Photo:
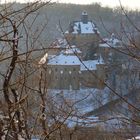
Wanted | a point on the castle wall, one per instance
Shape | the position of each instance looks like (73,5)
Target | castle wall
(87,43)
(93,78)
(63,76)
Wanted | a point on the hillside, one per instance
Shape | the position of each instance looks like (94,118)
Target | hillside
(108,20)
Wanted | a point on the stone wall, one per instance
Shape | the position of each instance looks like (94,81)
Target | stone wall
(87,43)
(63,76)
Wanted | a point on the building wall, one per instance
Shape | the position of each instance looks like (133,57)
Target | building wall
(104,52)
(112,54)
(69,77)
(101,75)
(86,42)
(94,78)
(88,79)
(63,76)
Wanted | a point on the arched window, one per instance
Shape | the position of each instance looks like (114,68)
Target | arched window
(80,72)
(61,71)
(70,72)
(50,71)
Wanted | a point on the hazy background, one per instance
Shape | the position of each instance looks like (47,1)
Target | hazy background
(132,4)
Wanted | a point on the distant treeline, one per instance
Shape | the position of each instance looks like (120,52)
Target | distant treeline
(107,19)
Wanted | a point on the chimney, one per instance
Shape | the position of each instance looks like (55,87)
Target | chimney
(84,17)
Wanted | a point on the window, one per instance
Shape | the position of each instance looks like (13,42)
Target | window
(106,75)
(61,71)
(56,77)
(70,72)
(50,71)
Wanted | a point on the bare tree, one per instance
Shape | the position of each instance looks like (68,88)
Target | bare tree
(15,28)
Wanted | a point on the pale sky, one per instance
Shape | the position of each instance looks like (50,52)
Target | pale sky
(127,3)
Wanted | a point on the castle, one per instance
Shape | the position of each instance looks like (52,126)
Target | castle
(79,60)
(85,35)
(68,70)
(84,60)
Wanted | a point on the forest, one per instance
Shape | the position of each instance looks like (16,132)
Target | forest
(29,110)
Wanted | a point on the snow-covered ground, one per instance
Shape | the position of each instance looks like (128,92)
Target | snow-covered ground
(135,138)
(83,101)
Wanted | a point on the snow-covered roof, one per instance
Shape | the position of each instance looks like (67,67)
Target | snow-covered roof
(84,28)
(67,49)
(135,138)
(110,45)
(111,42)
(74,60)
(72,50)
(59,43)
(91,64)
(64,60)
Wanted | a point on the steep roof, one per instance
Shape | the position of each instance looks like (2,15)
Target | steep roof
(64,60)
(87,28)
(59,43)
(72,50)
(83,28)
(74,60)
(91,64)
(111,42)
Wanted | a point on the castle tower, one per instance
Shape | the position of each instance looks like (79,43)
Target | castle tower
(84,17)
(85,35)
